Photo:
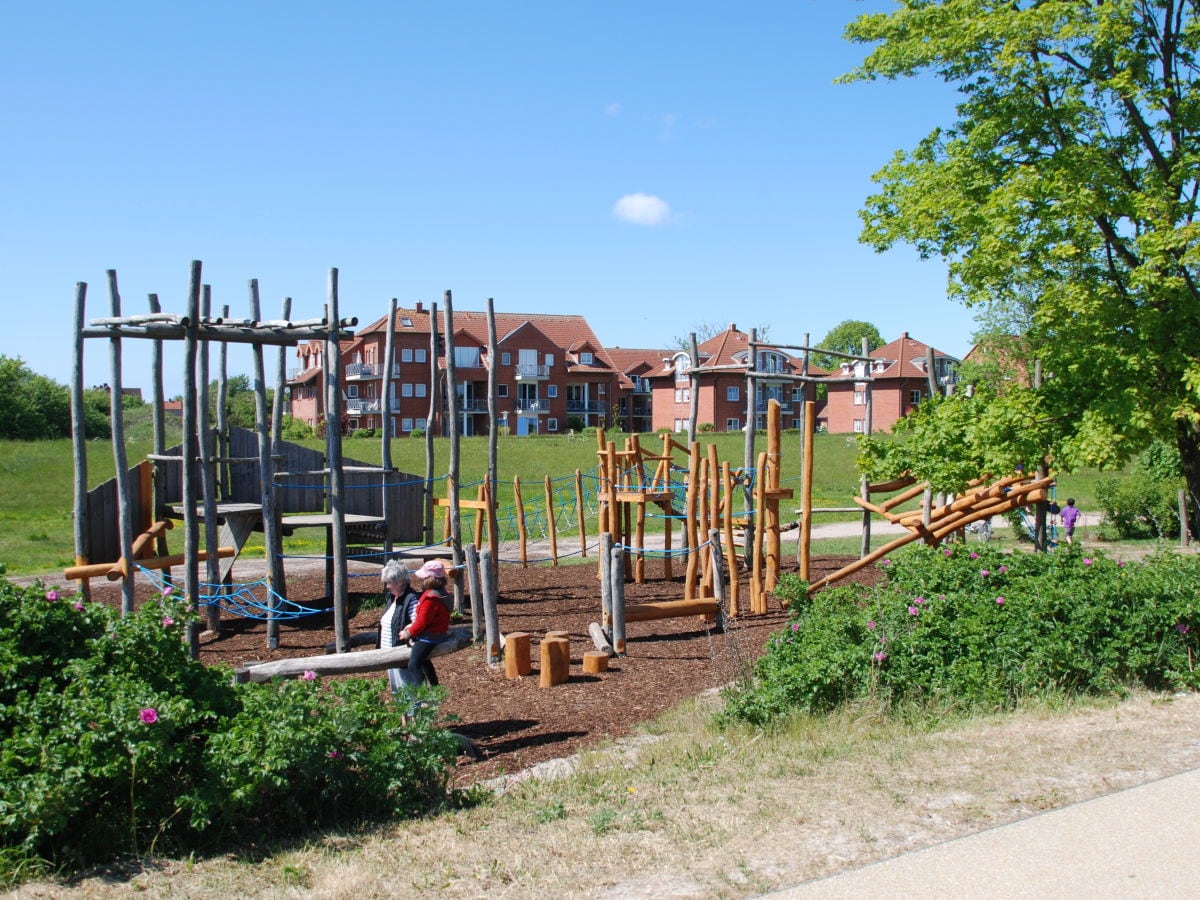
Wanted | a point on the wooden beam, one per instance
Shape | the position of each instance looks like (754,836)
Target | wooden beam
(348,663)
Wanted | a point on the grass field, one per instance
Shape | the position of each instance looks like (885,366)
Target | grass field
(36,478)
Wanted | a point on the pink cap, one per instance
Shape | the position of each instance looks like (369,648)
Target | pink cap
(432,569)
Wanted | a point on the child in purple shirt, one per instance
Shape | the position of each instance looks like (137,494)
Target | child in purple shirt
(1070,515)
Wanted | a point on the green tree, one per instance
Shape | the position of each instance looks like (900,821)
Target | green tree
(32,406)
(1067,189)
(846,337)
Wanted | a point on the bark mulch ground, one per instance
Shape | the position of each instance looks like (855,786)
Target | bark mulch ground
(515,723)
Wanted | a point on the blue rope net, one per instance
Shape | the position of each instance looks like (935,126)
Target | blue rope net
(241,599)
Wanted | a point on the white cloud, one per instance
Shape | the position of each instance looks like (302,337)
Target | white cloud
(642,209)
(612,110)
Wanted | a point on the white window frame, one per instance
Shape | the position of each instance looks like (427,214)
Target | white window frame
(551,391)
(733,393)
(406,424)
(859,426)
(860,396)
(585,358)
(406,389)
(505,358)
(422,389)
(915,396)
(733,424)
(420,355)
(549,360)
(352,391)
(406,354)
(502,391)
(552,424)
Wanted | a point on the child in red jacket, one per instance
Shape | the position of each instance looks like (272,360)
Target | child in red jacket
(431,622)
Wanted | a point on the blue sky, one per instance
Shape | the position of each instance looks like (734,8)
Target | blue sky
(652,166)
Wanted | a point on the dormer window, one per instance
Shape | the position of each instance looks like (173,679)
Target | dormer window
(585,358)
(406,322)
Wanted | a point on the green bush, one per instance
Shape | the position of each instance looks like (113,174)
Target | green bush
(981,629)
(113,741)
(1140,505)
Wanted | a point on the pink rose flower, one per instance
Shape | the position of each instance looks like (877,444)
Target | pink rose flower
(149,715)
(999,601)
(309,675)
(168,621)
(52,595)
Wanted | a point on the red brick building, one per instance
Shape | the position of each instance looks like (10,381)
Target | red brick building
(900,382)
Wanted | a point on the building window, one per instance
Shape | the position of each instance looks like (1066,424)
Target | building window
(552,424)
(798,395)
(683,395)
(858,426)
(860,396)
(680,424)
(406,322)
(422,389)
(733,424)
(352,390)
(502,390)
(505,359)
(585,358)
(551,393)
(406,424)
(549,360)
(914,397)
(733,393)
(352,424)
(406,355)
(600,389)
(420,355)
(406,390)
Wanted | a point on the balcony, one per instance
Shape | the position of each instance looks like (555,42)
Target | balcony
(761,405)
(473,405)
(641,387)
(580,406)
(532,373)
(357,406)
(357,371)
(532,407)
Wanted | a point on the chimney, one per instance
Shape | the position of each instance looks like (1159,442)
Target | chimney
(905,335)
(420,306)
(733,326)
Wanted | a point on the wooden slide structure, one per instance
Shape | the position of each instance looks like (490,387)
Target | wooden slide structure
(930,523)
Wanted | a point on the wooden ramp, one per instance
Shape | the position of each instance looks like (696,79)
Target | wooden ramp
(236,522)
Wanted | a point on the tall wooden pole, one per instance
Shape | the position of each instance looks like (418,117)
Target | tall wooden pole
(385,423)
(748,455)
(694,382)
(223,413)
(159,430)
(806,492)
(337,476)
(191,549)
(125,507)
(208,477)
(430,420)
(79,441)
(864,485)
(493,468)
(452,415)
(266,478)
(280,382)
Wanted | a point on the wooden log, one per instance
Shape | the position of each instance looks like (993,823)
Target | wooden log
(556,662)
(517,661)
(730,547)
(595,662)
(902,497)
(886,487)
(491,613)
(565,635)
(617,578)
(522,536)
(476,589)
(672,609)
(580,513)
(348,663)
(599,638)
(97,570)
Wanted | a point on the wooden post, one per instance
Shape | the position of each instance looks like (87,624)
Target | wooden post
(556,662)
(1183,518)
(517,661)
(581,513)
(452,415)
(337,477)
(771,525)
(720,593)
(222,442)
(79,440)
(748,454)
(757,595)
(208,477)
(550,523)
(689,513)
(865,349)
(266,475)
(730,549)
(493,468)
(606,548)
(491,616)
(124,506)
(430,419)
(475,587)
(617,580)
(159,428)
(190,530)
(521,534)
(385,427)
(694,387)
(595,662)
(274,542)
(806,488)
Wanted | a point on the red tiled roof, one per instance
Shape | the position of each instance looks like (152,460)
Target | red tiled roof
(905,358)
